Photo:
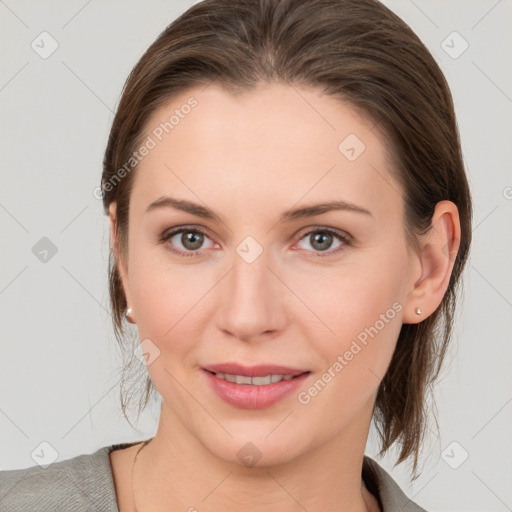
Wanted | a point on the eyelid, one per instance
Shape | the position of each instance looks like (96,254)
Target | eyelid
(184,227)
(315,228)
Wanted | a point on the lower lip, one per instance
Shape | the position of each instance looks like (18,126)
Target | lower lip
(250,396)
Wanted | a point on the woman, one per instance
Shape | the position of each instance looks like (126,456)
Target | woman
(290,218)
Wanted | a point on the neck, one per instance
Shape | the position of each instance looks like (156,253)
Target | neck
(185,475)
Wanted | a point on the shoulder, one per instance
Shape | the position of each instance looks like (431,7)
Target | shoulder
(82,483)
(380,483)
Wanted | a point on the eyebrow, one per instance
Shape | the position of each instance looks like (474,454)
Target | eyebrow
(288,215)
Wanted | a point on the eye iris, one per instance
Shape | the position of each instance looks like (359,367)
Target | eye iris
(323,239)
(194,239)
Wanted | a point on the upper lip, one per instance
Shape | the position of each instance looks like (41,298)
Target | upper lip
(261,370)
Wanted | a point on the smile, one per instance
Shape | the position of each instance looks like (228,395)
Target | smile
(254,381)
(258,392)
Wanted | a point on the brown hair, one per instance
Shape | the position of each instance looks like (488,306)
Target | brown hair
(362,53)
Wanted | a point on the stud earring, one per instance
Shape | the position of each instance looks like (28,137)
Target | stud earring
(127,314)
(418,311)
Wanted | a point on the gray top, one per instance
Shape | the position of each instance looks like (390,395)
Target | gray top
(85,484)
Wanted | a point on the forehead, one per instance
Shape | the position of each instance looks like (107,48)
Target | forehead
(276,140)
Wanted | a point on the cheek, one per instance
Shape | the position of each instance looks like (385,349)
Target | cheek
(168,298)
(354,296)
(360,314)
(366,322)
(170,312)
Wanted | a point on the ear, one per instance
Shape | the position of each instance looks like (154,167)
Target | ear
(115,246)
(439,247)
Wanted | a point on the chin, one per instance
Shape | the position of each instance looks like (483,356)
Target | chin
(256,449)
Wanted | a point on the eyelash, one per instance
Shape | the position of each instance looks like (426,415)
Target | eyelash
(345,238)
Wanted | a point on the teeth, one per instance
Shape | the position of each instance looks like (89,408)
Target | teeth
(255,381)
(242,379)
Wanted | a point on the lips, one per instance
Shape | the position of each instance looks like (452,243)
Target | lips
(254,395)
(253,371)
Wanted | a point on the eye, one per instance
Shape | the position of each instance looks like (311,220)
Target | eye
(188,241)
(321,239)
(185,241)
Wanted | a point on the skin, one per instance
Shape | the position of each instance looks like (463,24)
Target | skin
(249,158)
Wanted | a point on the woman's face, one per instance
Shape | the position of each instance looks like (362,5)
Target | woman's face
(253,284)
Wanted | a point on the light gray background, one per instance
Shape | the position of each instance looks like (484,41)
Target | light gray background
(59,359)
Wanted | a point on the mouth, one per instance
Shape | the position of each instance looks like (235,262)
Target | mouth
(255,381)
(260,370)
(256,387)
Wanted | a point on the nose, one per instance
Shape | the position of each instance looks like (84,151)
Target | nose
(252,305)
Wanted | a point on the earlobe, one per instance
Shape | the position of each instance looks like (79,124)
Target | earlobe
(439,248)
